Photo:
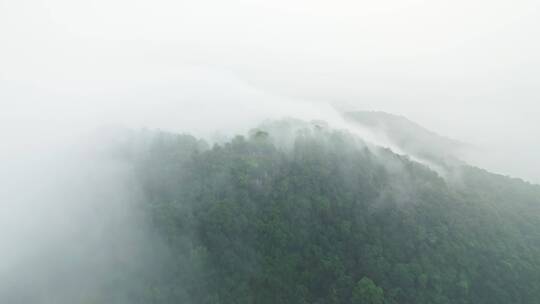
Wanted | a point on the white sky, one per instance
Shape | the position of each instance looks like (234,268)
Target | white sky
(466,69)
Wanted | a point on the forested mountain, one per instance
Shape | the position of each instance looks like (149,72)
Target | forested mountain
(300,213)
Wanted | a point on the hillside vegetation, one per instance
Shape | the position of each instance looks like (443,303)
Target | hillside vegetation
(299,213)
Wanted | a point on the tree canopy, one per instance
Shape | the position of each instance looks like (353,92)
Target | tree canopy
(312,215)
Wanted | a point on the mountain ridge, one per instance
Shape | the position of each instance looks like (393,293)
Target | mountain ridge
(408,135)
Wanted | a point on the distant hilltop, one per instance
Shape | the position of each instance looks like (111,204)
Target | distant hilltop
(409,136)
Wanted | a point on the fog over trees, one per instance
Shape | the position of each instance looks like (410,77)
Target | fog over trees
(269,152)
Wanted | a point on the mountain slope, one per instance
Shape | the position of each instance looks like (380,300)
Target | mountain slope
(324,218)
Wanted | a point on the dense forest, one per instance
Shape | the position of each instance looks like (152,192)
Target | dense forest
(297,212)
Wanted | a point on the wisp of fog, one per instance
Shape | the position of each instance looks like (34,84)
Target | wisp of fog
(73,72)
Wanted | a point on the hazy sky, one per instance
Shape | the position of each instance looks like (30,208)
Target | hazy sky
(466,69)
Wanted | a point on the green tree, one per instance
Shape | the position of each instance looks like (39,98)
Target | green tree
(366,292)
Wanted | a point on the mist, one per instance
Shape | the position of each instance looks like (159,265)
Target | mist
(70,70)
(465,70)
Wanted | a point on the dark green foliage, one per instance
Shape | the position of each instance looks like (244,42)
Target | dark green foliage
(367,292)
(328,219)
